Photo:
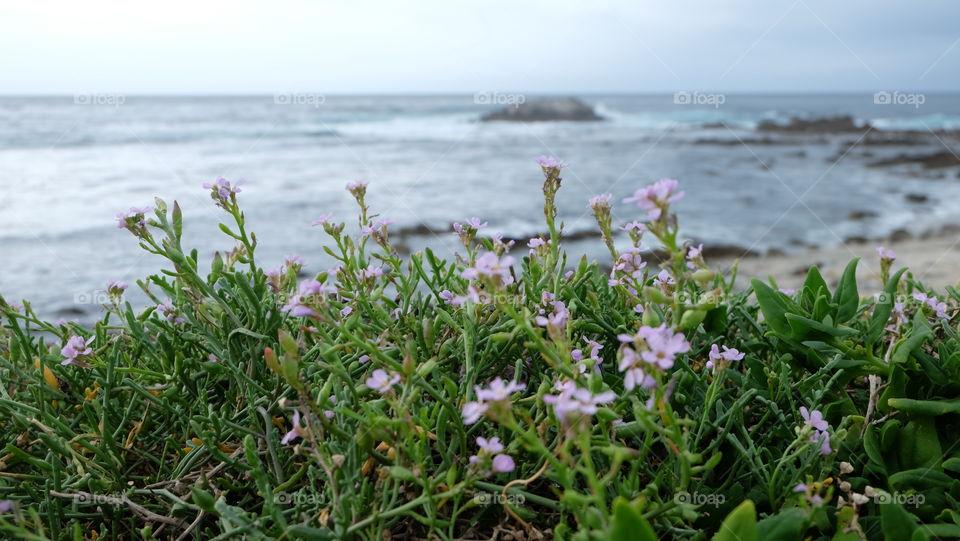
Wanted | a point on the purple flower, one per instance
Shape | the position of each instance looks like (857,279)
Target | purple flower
(382,381)
(6,506)
(600,201)
(634,373)
(549,162)
(502,464)
(656,198)
(664,279)
(363,359)
(294,261)
(886,253)
(498,390)
(133,219)
(495,396)
(489,265)
(169,311)
(787,291)
(76,350)
(663,345)
(371,273)
(346,311)
(800,488)
(813,418)
(295,431)
(556,320)
(634,226)
(572,404)
(473,411)
(297,305)
(324,219)
(475,223)
(492,445)
(728,354)
(221,190)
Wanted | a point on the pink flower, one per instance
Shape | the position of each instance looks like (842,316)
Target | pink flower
(728,354)
(814,418)
(382,381)
(549,162)
(324,219)
(656,198)
(295,431)
(76,349)
(492,445)
(498,390)
(886,253)
(503,464)
(663,345)
(489,265)
(573,403)
(475,223)
(600,201)
(473,411)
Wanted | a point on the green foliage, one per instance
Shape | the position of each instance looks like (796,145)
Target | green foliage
(271,405)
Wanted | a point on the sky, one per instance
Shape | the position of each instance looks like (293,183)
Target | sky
(456,46)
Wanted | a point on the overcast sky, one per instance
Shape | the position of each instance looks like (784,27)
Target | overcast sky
(458,46)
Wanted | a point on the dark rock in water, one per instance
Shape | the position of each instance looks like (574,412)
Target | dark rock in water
(861,215)
(935,160)
(545,110)
(833,124)
(916,198)
(900,235)
(856,239)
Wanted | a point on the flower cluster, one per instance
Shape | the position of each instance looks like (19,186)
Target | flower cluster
(134,221)
(719,358)
(76,351)
(574,406)
(492,401)
(820,435)
(656,198)
(936,305)
(223,192)
(651,349)
(491,455)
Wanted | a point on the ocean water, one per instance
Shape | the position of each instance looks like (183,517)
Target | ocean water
(67,168)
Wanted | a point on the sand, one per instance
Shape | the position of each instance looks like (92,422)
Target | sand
(935,261)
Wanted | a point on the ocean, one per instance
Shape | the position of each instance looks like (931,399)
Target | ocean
(69,164)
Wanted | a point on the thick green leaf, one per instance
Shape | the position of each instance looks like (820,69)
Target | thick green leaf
(740,524)
(925,407)
(896,522)
(882,309)
(773,307)
(847,298)
(786,525)
(629,525)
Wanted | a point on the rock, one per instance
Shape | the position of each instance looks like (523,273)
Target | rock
(900,235)
(916,198)
(861,215)
(935,160)
(545,110)
(833,124)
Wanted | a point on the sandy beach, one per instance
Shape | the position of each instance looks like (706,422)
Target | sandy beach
(933,259)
